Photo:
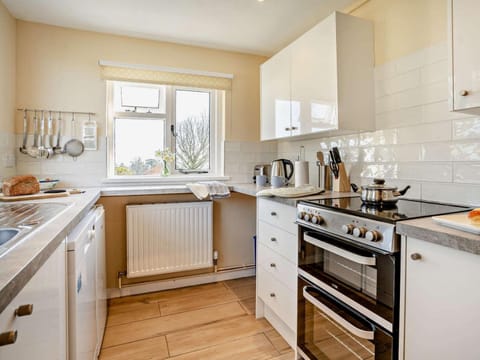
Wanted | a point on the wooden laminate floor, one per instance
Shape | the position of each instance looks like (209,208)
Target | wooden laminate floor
(213,321)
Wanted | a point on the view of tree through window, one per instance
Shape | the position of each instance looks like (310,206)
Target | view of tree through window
(192,141)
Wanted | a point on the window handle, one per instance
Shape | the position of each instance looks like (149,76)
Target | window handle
(172,130)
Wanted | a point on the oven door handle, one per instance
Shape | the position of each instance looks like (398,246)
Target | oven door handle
(364,334)
(363,260)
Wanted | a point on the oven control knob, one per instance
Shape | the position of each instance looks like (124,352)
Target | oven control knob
(317,219)
(359,232)
(307,217)
(301,214)
(348,228)
(373,235)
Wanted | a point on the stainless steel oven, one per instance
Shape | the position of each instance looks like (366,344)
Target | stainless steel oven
(364,279)
(346,299)
(349,274)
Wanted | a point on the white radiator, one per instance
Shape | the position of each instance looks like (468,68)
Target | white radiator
(167,238)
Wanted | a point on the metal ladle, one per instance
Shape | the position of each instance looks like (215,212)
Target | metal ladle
(73,147)
(33,150)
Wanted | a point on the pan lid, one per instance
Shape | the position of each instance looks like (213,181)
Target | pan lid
(378,184)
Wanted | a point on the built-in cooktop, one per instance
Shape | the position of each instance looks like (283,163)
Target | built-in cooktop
(403,209)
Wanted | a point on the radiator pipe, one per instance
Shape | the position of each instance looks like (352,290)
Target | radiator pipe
(121,274)
(215,260)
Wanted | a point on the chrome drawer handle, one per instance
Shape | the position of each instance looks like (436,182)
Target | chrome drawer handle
(363,260)
(8,338)
(367,335)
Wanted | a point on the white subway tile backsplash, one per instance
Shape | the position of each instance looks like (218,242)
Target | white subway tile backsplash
(425,171)
(385,71)
(467,173)
(406,81)
(440,131)
(403,153)
(386,171)
(454,193)
(466,151)
(416,96)
(400,117)
(434,72)
(437,152)
(466,129)
(380,137)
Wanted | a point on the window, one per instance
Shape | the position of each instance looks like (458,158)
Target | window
(145,119)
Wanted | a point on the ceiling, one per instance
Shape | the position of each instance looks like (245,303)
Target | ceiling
(247,26)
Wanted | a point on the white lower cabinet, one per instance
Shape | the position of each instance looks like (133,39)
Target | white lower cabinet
(41,335)
(277,252)
(440,302)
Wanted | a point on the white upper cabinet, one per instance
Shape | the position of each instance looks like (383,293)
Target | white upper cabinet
(465,55)
(275,94)
(321,82)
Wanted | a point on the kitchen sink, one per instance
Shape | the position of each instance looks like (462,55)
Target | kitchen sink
(7,234)
(20,219)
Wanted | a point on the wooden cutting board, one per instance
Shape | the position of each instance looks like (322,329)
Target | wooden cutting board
(36,196)
(458,221)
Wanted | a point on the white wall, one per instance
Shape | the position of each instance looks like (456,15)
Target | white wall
(418,141)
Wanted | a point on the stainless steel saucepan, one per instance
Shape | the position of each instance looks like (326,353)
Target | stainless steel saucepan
(379,193)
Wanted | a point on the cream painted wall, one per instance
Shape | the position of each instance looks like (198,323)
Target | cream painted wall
(403,26)
(58,68)
(7,93)
(7,70)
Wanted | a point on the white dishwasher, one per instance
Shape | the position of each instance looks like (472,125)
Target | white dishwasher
(82,298)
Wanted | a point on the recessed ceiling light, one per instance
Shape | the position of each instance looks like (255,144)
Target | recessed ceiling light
(260,0)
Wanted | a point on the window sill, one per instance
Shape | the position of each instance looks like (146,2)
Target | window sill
(160,181)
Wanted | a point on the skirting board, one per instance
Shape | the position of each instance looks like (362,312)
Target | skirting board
(142,288)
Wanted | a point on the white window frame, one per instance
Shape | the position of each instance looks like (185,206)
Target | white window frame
(217,119)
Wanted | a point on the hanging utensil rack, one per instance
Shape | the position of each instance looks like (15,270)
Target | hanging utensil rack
(58,111)
(46,152)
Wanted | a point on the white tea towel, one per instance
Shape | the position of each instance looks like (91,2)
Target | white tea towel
(214,189)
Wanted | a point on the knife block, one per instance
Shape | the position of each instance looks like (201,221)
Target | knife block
(342,183)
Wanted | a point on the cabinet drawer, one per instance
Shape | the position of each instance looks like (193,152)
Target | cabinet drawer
(275,264)
(278,215)
(284,243)
(279,298)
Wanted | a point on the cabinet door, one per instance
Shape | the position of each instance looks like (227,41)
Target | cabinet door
(41,335)
(275,96)
(465,54)
(314,79)
(442,317)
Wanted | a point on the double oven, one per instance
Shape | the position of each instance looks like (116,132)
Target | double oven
(348,279)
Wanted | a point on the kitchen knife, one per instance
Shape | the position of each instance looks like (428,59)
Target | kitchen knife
(333,164)
(336,155)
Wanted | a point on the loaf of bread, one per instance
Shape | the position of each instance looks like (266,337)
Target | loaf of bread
(474,216)
(21,185)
